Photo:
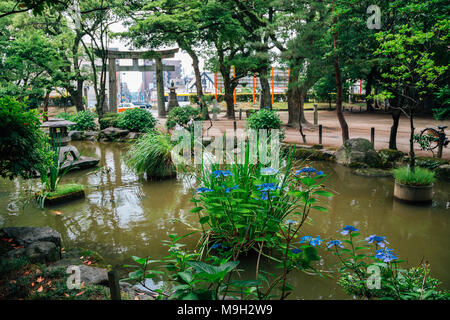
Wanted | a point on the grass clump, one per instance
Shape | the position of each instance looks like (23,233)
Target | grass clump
(418,177)
(65,189)
(151,154)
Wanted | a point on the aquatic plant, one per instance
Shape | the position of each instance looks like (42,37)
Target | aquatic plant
(373,271)
(150,154)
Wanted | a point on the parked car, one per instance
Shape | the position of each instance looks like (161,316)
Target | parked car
(143,105)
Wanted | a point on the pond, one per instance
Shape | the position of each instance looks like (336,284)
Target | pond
(123,215)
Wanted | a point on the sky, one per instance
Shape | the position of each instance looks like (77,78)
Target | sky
(134,79)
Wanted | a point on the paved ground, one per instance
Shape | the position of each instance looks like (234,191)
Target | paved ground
(359,126)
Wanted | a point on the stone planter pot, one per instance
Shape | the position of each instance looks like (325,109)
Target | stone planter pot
(413,193)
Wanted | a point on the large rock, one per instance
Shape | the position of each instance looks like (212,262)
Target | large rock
(42,252)
(357,152)
(113,134)
(91,135)
(443,172)
(93,275)
(76,135)
(25,236)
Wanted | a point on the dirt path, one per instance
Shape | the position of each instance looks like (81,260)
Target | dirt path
(359,127)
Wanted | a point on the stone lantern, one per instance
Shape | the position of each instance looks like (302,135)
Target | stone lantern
(173,101)
(68,155)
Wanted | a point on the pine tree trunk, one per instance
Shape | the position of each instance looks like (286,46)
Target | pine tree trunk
(266,97)
(394,128)
(340,115)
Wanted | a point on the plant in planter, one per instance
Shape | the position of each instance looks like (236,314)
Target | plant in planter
(413,185)
(51,172)
(183,116)
(151,155)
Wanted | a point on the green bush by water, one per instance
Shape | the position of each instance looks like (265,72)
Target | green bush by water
(108,120)
(84,120)
(136,120)
(420,176)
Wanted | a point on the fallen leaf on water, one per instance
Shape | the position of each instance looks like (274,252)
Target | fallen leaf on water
(56,212)
(80,293)
(40,289)
(39,280)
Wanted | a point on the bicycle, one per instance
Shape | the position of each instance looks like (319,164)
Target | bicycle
(431,138)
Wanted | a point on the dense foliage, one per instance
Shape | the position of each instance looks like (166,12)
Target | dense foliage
(136,120)
(108,120)
(183,116)
(20,139)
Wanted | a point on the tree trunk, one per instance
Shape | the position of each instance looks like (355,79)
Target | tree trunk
(412,161)
(292,100)
(229,99)
(47,96)
(198,83)
(266,97)
(393,136)
(340,115)
(369,101)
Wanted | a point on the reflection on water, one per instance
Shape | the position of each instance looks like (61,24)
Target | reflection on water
(123,215)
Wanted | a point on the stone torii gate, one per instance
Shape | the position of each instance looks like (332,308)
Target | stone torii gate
(157,56)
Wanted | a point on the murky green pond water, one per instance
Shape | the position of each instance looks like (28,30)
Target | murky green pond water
(123,216)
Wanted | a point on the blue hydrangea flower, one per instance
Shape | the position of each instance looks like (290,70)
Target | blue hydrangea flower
(335,243)
(203,189)
(228,190)
(224,173)
(306,239)
(289,221)
(295,251)
(381,241)
(215,246)
(386,255)
(348,229)
(308,170)
(269,171)
(316,241)
(265,187)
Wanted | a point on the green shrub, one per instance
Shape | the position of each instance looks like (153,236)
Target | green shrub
(151,154)
(420,176)
(182,116)
(136,120)
(108,120)
(84,120)
(20,139)
(65,116)
(265,119)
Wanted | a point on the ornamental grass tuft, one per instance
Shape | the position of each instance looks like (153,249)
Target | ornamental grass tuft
(420,176)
